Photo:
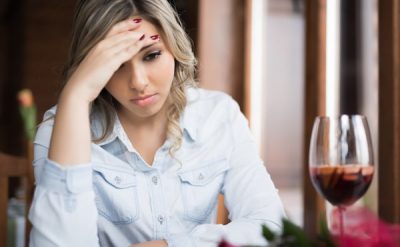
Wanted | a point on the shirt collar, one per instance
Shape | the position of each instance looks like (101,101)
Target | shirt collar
(189,125)
(189,119)
(97,128)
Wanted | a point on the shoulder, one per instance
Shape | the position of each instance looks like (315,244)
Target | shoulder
(45,128)
(204,102)
(196,95)
(208,112)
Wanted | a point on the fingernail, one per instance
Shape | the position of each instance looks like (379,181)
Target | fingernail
(155,37)
(137,20)
(141,38)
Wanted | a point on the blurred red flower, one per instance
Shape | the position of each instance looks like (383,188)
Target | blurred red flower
(225,243)
(363,228)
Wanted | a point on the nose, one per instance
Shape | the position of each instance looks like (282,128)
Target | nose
(138,80)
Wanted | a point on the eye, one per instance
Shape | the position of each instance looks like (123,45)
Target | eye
(152,56)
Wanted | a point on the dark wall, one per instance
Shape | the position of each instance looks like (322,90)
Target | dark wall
(188,13)
(11,74)
(48,28)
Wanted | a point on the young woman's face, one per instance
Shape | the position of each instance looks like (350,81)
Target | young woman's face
(142,85)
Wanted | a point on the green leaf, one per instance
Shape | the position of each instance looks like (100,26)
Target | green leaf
(293,235)
(28,115)
(268,234)
(325,235)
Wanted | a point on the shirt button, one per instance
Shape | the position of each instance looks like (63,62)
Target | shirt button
(154,179)
(117,179)
(201,176)
(160,219)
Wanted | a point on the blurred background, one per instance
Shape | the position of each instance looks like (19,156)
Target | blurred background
(258,51)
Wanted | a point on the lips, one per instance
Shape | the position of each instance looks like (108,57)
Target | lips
(144,100)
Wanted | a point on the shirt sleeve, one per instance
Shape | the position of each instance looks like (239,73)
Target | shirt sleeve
(250,196)
(63,210)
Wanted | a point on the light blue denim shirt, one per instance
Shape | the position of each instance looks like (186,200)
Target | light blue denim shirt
(118,199)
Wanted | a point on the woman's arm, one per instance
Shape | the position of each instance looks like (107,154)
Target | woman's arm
(70,141)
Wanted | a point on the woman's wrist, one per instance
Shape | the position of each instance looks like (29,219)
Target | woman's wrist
(73,93)
(154,243)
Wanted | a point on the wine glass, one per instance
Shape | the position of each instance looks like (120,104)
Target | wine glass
(341,160)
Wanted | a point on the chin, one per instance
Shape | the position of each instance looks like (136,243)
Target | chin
(147,112)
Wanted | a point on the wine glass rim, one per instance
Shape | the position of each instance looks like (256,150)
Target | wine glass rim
(342,115)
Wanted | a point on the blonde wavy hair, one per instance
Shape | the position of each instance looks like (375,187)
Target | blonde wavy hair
(94,18)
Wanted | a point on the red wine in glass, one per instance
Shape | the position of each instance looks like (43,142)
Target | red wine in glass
(342,185)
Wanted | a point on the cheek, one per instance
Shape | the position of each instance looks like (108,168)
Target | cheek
(114,87)
(163,72)
(114,84)
(110,86)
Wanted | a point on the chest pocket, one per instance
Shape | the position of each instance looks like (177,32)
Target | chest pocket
(116,194)
(200,189)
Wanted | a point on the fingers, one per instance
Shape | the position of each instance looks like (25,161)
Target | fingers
(125,44)
(123,26)
(124,41)
(121,37)
(121,31)
(127,50)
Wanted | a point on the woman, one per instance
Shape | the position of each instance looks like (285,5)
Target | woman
(134,152)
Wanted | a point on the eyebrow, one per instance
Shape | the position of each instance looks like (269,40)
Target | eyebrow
(145,47)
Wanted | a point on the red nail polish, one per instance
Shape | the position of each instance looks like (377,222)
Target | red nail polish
(155,37)
(137,20)
(141,38)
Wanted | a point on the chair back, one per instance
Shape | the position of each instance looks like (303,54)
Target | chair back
(14,166)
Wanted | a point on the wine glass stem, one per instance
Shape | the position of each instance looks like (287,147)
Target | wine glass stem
(341,227)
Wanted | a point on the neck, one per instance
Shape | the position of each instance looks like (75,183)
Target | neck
(156,123)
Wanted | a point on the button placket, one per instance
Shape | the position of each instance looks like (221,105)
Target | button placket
(160,219)
(157,195)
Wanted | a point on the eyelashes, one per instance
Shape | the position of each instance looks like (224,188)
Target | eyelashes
(148,58)
(152,56)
